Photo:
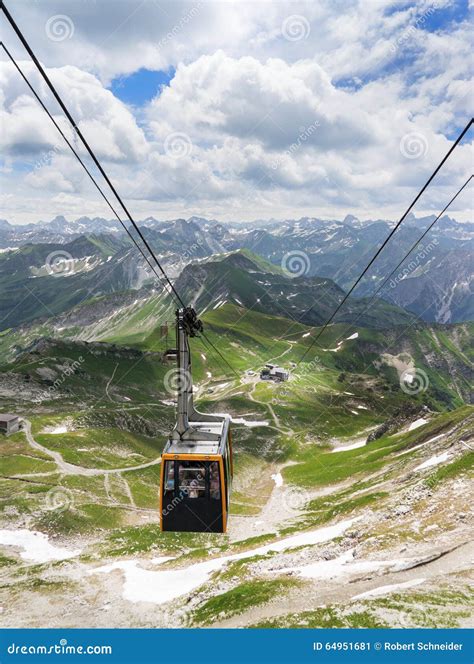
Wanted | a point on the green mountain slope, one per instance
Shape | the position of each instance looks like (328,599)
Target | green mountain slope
(341,445)
(250,282)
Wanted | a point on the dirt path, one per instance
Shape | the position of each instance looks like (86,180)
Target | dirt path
(128,491)
(71,469)
(109,382)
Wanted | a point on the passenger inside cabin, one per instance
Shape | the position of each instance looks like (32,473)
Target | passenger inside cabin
(214,480)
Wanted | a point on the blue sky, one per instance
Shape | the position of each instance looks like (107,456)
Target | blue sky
(140,87)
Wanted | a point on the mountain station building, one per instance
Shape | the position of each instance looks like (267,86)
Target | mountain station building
(272,372)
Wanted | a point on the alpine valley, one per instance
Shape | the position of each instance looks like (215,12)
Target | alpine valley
(352,495)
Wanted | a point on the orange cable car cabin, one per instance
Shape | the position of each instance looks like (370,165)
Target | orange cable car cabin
(196,464)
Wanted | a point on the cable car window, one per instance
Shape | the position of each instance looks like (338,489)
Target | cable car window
(192,479)
(215,485)
(169,477)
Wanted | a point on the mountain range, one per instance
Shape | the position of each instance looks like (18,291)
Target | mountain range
(435,282)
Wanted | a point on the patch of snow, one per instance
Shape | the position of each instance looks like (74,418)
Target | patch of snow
(209,375)
(417,447)
(353,336)
(385,590)
(219,304)
(278,479)
(54,430)
(306,334)
(334,350)
(161,559)
(417,423)
(203,357)
(36,546)
(354,412)
(160,586)
(250,423)
(342,566)
(362,407)
(346,565)
(434,461)
(352,446)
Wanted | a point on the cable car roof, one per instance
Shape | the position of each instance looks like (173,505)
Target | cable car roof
(201,446)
